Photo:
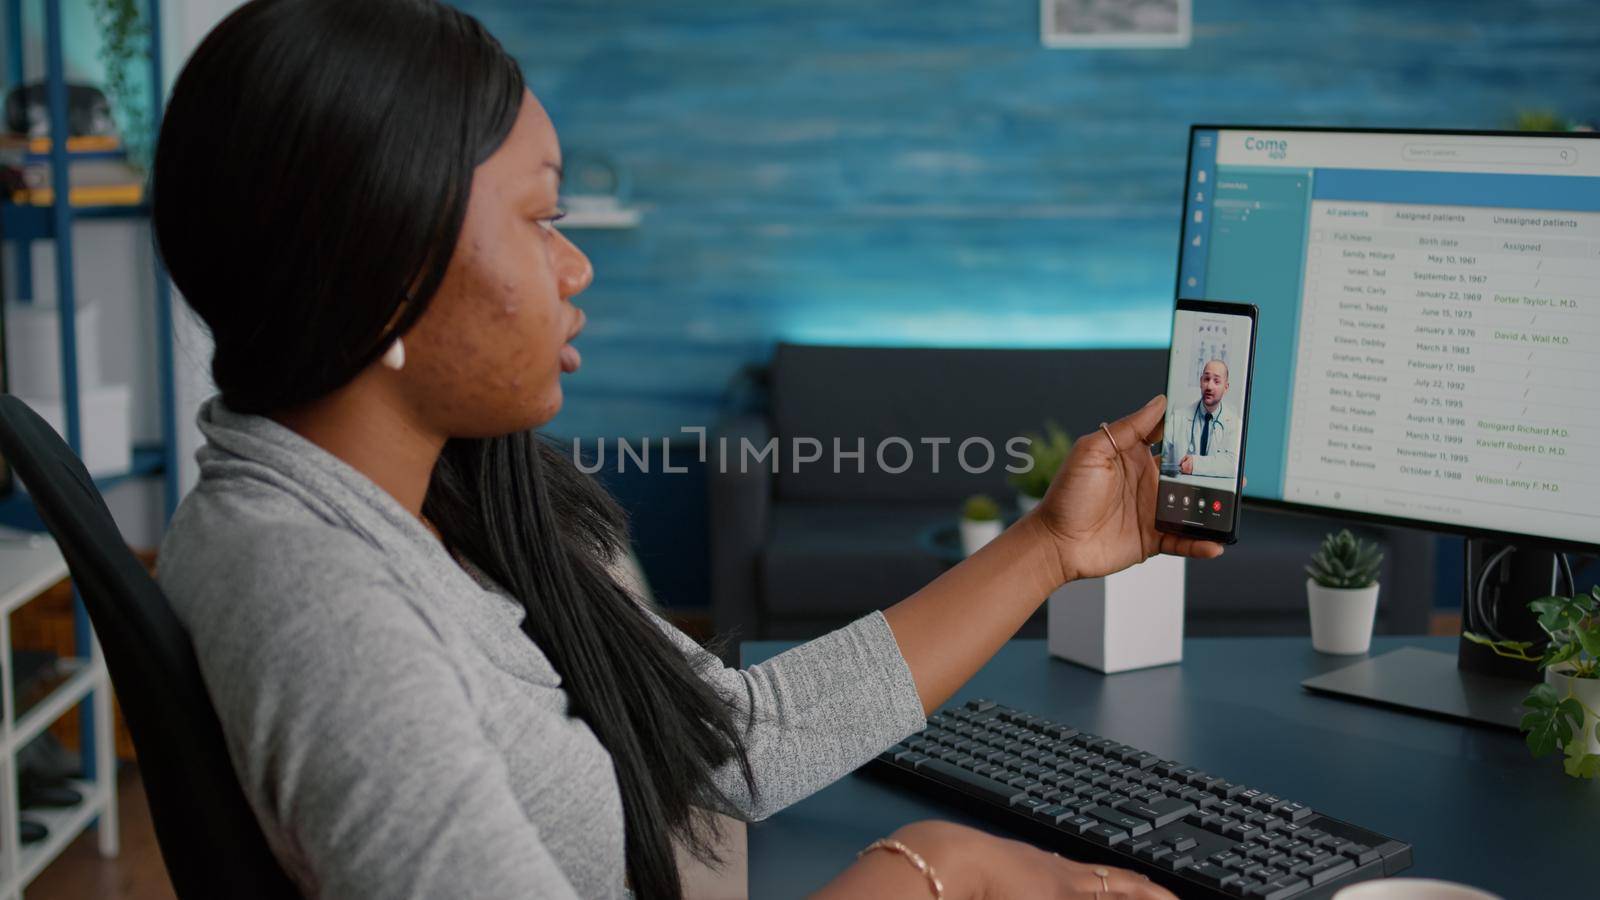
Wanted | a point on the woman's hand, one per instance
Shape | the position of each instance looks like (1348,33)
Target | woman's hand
(1101,508)
(973,864)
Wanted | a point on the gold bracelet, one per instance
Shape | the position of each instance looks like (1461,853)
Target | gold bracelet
(913,857)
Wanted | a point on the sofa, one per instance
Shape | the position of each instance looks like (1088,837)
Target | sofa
(803,550)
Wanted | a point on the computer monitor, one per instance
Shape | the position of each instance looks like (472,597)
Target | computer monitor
(1430,318)
(1426,353)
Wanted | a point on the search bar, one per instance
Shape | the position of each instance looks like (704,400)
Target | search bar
(1492,154)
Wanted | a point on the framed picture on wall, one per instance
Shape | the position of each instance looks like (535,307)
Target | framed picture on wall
(1115,23)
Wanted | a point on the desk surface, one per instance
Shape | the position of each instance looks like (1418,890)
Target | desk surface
(1472,801)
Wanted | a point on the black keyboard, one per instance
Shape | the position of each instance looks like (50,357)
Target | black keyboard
(1093,798)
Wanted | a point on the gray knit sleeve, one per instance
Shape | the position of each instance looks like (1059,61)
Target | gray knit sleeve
(814,712)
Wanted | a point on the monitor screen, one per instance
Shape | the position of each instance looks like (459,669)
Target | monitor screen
(1430,315)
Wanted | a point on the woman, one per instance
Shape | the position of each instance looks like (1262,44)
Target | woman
(403,602)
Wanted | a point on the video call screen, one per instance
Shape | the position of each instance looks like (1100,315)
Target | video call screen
(1205,419)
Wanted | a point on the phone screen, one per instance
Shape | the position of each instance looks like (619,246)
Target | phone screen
(1208,406)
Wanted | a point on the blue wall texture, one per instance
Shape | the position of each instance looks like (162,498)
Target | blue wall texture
(924,172)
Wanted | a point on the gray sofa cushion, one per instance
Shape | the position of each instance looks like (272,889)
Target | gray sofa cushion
(843,559)
(877,393)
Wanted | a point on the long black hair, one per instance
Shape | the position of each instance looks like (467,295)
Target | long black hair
(310,183)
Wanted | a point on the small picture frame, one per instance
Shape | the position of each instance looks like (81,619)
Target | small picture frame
(1116,23)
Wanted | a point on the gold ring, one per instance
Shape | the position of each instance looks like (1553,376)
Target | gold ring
(1104,884)
(1107,430)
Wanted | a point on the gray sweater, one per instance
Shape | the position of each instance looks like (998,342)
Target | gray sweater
(395,731)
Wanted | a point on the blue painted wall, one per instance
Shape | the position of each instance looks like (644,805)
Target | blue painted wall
(923,171)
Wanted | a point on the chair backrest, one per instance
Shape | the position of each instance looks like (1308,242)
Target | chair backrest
(209,838)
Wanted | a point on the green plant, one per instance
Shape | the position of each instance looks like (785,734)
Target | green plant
(1542,120)
(1049,452)
(1554,721)
(980,508)
(125,39)
(1343,561)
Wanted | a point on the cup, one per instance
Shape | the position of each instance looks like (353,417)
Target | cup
(1412,889)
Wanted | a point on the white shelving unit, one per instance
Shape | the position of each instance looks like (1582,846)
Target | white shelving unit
(27,567)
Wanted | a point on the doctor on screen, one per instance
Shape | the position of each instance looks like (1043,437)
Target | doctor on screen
(1208,430)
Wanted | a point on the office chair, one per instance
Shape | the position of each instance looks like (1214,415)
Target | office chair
(209,838)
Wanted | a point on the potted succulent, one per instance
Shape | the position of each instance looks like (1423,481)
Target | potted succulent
(1049,452)
(1564,711)
(980,522)
(1343,593)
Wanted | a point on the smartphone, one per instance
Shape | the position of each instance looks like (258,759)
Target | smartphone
(1209,367)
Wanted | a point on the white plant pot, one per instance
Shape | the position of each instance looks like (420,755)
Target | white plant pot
(1025,504)
(1341,618)
(976,534)
(1131,619)
(1587,690)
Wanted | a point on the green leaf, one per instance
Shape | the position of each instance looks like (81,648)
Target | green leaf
(1590,639)
(1559,653)
(1542,696)
(1556,613)
(1546,731)
(1580,763)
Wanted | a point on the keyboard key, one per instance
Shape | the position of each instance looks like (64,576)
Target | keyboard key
(1052,813)
(980,705)
(1161,812)
(1281,889)
(1141,760)
(969,782)
(1213,875)
(1027,803)
(1324,872)
(1361,853)
(1134,825)
(1181,842)
(1227,790)
(1166,767)
(1175,862)
(1266,801)
(1153,852)
(1079,824)
(1293,812)
(1106,835)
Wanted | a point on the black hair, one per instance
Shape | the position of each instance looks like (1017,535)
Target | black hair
(310,182)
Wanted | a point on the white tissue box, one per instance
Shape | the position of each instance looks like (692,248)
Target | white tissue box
(105,420)
(1130,620)
(33,348)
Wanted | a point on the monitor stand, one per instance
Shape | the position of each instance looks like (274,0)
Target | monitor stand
(1474,685)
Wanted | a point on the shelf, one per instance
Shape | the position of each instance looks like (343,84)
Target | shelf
(64,824)
(27,567)
(55,704)
(37,223)
(17,510)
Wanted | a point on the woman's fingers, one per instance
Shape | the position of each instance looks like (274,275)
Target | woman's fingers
(1132,431)
(1087,880)
(1179,545)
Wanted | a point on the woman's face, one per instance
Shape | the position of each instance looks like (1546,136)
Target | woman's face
(487,357)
